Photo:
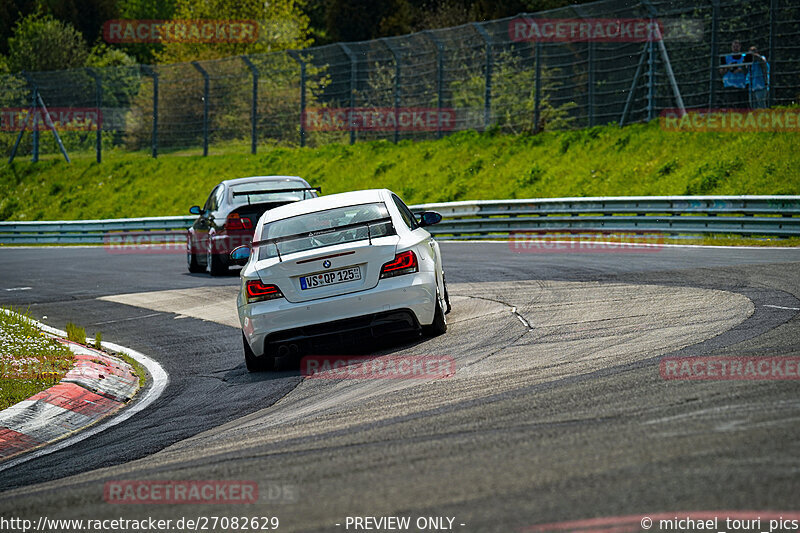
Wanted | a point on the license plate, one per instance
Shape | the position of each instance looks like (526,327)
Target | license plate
(330,278)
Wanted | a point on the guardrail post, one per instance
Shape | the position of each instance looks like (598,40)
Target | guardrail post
(353,80)
(395,86)
(773,13)
(98,102)
(537,95)
(254,105)
(590,83)
(203,72)
(439,80)
(712,89)
(150,71)
(487,96)
(294,54)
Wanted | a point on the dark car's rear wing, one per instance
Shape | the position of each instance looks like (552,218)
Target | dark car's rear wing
(268,191)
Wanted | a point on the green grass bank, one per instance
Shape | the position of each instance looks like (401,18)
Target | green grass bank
(640,159)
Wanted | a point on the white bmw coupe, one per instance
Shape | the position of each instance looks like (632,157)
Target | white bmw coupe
(338,267)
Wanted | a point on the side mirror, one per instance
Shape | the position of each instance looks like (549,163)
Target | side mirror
(429,218)
(240,255)
(195,210)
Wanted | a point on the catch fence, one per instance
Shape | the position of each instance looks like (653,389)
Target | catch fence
(514,75)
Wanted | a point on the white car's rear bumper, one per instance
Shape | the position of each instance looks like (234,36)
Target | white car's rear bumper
(280,321)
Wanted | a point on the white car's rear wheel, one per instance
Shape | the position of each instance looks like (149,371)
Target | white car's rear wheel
(253,363)
(439,324)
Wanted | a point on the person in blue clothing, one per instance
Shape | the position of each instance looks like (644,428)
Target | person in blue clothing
(757,78)
(734,84)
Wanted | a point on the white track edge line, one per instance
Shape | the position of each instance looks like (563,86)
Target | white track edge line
(157,373)
(626,244)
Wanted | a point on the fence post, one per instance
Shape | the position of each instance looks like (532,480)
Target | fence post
(773,8)
(537,95)
(294,54)
(150,71)
(487,97)
(590,82)
(35,157)
(98,102)
(206,91)
(353,66)
(254,105)
(34,107)
(31,111)
(395,86)
(439,80)
(203,72)
(712,89)
(651,79)
(635,81)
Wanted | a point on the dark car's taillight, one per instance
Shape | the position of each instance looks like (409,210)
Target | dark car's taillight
(259,292)
(235,222)
(403,263)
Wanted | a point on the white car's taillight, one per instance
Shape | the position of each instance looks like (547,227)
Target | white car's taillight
(403,263)
(259,292)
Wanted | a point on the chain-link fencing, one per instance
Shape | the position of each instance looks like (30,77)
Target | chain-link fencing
(613,61)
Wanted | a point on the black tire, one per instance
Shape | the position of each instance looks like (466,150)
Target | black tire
(194,266)
(448,307)
(439,324)
(253,363)
(216,264)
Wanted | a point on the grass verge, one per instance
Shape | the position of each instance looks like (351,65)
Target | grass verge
(31,361)
(640,159)
(140,371)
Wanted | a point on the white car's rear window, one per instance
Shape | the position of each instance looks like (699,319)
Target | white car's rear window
(324,228)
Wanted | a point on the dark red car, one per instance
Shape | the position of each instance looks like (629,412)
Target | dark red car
(229,217)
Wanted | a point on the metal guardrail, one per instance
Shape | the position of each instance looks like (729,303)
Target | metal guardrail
(777,216)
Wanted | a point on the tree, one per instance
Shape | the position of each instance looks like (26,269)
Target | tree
(282,26)
(145,10)
(40,42)
(358,20)
(103,55)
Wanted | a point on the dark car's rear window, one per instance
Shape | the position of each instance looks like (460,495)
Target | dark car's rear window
(276,197)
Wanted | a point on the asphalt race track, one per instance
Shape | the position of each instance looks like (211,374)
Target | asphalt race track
(557,410)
